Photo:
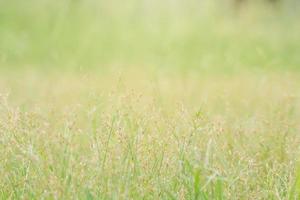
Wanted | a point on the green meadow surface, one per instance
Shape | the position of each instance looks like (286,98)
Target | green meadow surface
(149,100)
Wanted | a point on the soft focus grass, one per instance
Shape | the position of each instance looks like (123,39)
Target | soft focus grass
(207,35)
(138,135)
(149,100)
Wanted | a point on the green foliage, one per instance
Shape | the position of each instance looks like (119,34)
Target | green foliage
(149,100)
(191,34)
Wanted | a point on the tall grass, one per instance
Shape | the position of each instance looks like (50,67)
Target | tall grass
(134,136)
(149,100)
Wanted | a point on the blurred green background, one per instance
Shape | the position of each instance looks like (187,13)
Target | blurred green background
(212,35)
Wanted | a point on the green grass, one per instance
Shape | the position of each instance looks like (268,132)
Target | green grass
(149,100)
(146,135)
(191,34)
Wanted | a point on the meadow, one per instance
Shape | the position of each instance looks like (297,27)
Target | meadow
(149,100)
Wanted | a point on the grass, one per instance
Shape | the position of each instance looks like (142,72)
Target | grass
(91,34)
(134,136)
(149,100)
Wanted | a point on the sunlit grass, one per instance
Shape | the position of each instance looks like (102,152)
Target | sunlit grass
(149,100)
(134,135)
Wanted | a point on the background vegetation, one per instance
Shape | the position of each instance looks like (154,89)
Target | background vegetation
(149,99)
(183,34)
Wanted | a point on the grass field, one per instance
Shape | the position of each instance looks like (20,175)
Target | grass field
(150,100)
